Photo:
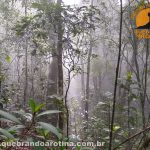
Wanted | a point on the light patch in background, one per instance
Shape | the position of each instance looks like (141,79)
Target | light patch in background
(71,2)
(123,1)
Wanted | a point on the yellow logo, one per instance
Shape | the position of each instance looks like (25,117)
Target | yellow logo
(142,21)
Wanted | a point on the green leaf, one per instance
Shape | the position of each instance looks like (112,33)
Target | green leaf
(86,148)
(9,116)
(115,128)
(78,147)
(129,76)
(28,116)
(32,105)
(43,132)
(20,113)
(16,127)
(6,133)
(8,59)
(23,115)
(5,120)
(48,112)
(50,128)
(37,6)
(39,107)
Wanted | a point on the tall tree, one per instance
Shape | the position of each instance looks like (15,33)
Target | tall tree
(59,57)
(116,78)
(25,97)
(87,96)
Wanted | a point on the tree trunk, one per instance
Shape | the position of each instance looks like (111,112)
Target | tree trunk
(88,85)
(116,78)
(88,78)
(60,67)
(52,89)
(26,65)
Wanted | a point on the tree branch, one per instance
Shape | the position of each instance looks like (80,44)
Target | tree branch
(131,137)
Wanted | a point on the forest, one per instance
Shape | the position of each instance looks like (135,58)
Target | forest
(74,75)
